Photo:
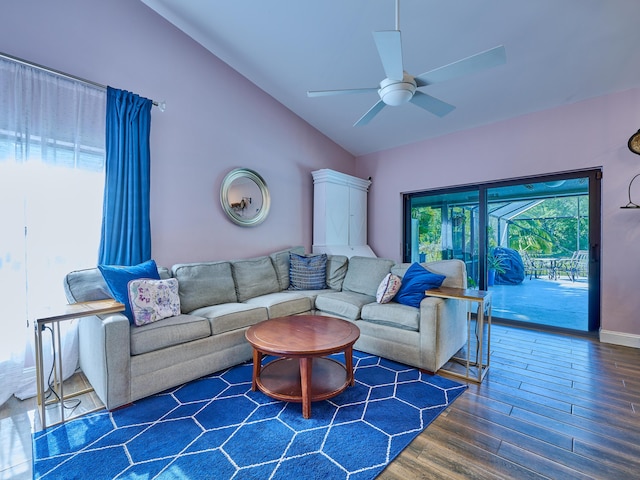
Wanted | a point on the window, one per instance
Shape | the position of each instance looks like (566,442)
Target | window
(51,192)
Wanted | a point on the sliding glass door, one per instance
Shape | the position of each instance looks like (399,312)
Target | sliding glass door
(533,242)
(442,226)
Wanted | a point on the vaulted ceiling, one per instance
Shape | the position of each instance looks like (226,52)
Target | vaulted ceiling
(558,52)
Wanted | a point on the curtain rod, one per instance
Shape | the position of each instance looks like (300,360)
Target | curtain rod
(161,105)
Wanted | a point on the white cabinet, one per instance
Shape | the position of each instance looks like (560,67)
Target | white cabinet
(340,214)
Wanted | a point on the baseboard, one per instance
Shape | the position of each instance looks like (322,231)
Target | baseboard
(620,338)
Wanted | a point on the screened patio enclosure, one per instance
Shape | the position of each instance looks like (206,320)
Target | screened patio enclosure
(546,224)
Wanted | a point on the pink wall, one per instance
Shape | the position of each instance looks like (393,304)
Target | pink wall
(215,121)
(588,134)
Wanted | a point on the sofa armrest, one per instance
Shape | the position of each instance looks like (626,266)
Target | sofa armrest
(443,330)
(430,313)
(105,357)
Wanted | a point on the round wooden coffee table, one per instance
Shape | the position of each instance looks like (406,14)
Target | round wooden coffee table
(302,373)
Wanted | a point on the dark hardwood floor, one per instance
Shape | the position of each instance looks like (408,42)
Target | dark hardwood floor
(552,406)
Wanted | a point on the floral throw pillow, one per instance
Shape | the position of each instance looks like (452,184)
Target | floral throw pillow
(388,288)
(118,277)
(153,300)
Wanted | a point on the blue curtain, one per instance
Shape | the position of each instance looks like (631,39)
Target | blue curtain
(126,228)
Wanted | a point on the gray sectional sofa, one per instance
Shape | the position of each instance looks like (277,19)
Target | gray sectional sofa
(220,300)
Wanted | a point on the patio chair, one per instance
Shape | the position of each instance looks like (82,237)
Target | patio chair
(576,266)
(532,266)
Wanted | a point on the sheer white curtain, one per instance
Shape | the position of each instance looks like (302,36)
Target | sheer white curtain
(52,132)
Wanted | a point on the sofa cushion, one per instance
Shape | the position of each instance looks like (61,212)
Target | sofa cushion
(336,270)
(153,300)
(168,332)
(88,285)
(204,284)
(344,304)
(282,304)
(313,294)
(454,270)
(118,277)
(280,262)
(85,286)
(415,282)
(365,274)
(254,277)
(307,272)
(231,316)
(388,288)
(392,314)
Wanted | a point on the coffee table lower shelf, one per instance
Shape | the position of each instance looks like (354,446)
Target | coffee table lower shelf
(282,379)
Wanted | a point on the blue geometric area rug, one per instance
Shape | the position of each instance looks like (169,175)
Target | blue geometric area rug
(217,428)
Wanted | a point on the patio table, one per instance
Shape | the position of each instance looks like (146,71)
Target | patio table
(551,264)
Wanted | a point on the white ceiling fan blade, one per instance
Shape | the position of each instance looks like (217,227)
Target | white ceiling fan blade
(389,45)
(348,91)
(475,63)
(431,104)
(373,111)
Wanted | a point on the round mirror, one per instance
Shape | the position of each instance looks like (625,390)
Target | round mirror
(244,197)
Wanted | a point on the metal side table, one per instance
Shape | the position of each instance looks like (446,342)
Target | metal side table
(475,368)
(53,318)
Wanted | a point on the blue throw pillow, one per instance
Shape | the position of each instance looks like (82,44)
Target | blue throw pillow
(416,280)
(118,278)
(307,272)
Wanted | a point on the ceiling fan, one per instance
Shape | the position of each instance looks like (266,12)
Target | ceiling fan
(400,87)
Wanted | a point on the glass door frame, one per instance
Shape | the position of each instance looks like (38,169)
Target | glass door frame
(595,226)
(474,231)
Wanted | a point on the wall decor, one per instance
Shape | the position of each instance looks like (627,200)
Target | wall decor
(244,197)
(631,204)
(634,143)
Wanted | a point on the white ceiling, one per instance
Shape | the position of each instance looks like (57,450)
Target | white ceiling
(558,52)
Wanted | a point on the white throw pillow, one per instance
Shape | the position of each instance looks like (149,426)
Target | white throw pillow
(388,288)
(153,300)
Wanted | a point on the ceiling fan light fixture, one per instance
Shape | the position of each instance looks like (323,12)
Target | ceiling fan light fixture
(395,93)
(400,87)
